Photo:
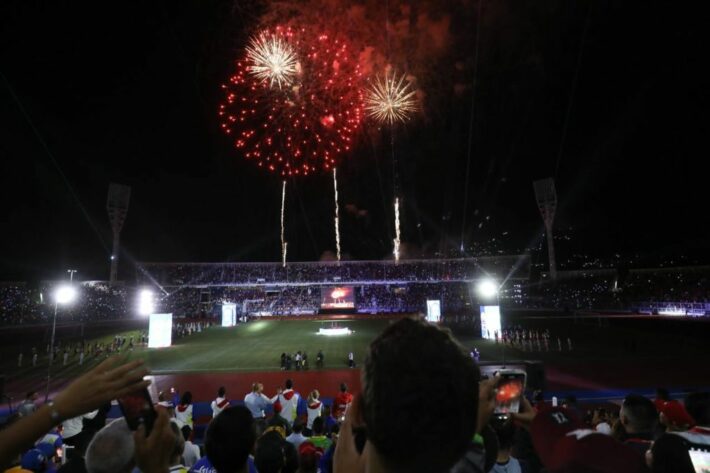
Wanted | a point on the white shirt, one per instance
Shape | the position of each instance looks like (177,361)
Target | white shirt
(184,417)
(216,409)
(289,406)
(296,439)
(314,410)
(74,426)
(191,454)
(256,403)
(604,428)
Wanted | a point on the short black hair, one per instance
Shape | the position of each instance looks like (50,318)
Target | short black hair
(289,384)
(409,365)
(269,456)
(641,412)
(698,406)
(298,427)
(505,434)
(221,391)
(230,439)
(186,431)
(662,394)
(343,387)
(318,425)
(186,398)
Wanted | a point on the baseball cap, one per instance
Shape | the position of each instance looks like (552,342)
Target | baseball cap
(566,445)
(34,460)
(676,413)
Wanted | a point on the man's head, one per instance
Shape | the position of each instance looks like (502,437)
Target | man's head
(343,387)
(318,426)
(638,414)
(410,365)
(221,391)
(111,450)
(32,396)
(186,398)
(179,444)
(186,432)
(288,384)
(230,439)
(297,427)
(270,456)
(257,387)
(698,406)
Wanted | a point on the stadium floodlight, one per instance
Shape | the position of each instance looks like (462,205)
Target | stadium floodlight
(64,295)
(487,289)
(146,302)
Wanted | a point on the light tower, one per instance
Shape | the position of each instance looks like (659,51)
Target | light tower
(117,207)
(546,197)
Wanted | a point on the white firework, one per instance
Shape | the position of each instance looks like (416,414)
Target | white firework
(390,100)
(272,59)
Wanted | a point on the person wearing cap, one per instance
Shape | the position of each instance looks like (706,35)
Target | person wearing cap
(674,417)
(35,461)
(309,457)
(278,421)
(565,444)
(670,452)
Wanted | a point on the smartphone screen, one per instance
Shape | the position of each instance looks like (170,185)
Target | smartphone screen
(701,460)
(511,388)
(137,408)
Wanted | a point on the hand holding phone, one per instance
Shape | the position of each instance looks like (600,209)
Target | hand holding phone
(137,408)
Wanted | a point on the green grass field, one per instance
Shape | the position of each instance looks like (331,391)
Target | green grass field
(258,346)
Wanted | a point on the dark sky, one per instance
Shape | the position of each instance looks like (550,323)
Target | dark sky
(95,92)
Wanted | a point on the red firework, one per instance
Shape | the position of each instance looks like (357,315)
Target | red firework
(306,126)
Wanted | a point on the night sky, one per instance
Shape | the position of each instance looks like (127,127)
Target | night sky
(95,92)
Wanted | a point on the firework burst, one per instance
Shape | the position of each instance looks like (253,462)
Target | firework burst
(390,100)
(272,59)
(306,126)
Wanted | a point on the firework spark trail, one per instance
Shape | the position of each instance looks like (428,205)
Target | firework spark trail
(284,244)
(391,100)
(337,218)
(396,229)
(272,59)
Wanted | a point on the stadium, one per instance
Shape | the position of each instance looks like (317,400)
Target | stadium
(319,236)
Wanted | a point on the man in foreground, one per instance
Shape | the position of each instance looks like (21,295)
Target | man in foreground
(402,434)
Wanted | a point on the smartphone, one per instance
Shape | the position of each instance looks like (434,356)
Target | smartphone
(137,408)
(509,391)
(700,460)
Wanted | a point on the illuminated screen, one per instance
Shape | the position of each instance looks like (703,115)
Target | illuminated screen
(433,311)
(229,315)
(490,321)
(160,330)
(337,298)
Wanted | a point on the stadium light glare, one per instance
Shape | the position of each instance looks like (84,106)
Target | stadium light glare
(146,302)
(487,289)
(64,295)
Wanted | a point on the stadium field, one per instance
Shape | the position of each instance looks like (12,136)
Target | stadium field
(257,346)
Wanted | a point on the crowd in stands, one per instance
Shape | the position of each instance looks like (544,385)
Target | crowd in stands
(460,269)
(430,413)
(379,287)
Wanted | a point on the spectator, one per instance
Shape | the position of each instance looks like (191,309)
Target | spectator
(221,403)
(309,457)
(289,402)
(318,438)
(505,463)
(600,421)
(297,437)
(176,465)
(35,461)
(401,436)
(111,450)
(275,455)
(639,418)
(229,440)
(278,421)
(670,452)
(662,397)
(191,453)
(315,407)
(564,444)
(330,422)
(28,405)
(674,417)
(183,412)
(256,401)
(342,401)
(76,457)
